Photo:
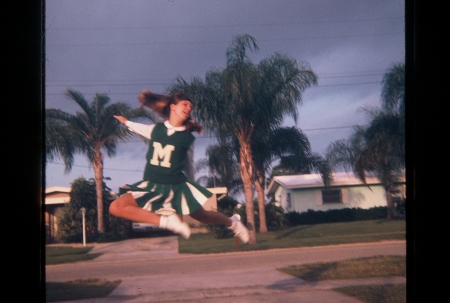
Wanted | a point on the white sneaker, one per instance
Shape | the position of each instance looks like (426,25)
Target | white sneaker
(173,223)
(239,229)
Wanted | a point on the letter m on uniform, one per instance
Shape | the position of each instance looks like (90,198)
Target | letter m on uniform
(161,156)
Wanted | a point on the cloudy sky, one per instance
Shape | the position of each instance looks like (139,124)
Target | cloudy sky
(120,47)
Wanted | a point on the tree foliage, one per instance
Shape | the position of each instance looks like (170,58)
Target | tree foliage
(227,206)
(221,163)
(245,98)
(90,132)
(275,215)
(83,195)
(378,148)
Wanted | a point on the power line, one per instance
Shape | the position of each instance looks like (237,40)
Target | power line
(319,86)
(106,84)
(158,44)
(104,168)
(91,84)
(352,75)
(225,25)
(203,137)
(327,128)
(304,129)
(168,81)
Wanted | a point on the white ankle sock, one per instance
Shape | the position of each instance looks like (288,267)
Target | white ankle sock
(174,223)
(233,226)
(163,221)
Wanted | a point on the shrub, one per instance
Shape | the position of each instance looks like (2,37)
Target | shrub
(275,218)
(118,228)
(294,218)
(226,206)
(70,225)
(109,237)
(219,231)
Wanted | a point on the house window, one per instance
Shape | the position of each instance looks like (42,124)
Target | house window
(288,200)
(332,196)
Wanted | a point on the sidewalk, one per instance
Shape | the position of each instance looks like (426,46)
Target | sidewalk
(253,284)
(276,287)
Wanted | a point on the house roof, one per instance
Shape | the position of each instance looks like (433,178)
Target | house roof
(218,190)
(57,189)
(57,195)
(315,180)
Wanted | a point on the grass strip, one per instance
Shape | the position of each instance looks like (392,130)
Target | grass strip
(301,236)
(394,293)
(370,267)
(79,289)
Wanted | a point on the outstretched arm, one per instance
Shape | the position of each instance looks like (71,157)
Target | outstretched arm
(121,119)
(141,129)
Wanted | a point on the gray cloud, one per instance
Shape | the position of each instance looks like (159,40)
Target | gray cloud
(120,47)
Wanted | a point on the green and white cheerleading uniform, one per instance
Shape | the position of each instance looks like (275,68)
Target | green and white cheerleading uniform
(165,186)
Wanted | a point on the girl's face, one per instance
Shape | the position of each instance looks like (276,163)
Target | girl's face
(181,110)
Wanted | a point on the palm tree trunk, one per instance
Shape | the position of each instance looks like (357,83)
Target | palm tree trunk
(246,173)
(261,207)
(98,171)
(390,205)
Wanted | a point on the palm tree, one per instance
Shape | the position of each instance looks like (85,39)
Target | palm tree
(245,97)
(222,165)
(393,93)
(279,77)
(292,148)
(383,153)
(379,148)
(287,144)
(341,154)
(89,132)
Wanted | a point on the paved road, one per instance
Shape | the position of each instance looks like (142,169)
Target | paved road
(151,270)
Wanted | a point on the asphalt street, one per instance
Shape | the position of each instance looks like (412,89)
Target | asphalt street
(152,270)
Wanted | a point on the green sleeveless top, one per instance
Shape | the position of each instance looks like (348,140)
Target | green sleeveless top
(166,155)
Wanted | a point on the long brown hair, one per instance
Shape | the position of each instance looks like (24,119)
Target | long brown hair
(161,105)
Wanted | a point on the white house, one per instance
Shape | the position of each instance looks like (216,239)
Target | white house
(300,193)
(55,198)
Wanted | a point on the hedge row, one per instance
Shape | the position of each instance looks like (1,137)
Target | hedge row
(294,218)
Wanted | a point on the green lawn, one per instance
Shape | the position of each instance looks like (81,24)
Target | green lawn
(79,289)
(303,235)
(65,254)
(370,267)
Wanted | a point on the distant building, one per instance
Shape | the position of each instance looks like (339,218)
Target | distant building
(55,198)
(300,193)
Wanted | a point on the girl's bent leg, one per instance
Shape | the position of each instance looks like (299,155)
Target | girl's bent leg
(206,216)
(232,223)
(125,207)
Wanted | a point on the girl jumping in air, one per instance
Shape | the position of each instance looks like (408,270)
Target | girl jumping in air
(166,193)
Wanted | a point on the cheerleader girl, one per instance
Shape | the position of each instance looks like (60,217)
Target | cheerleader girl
(166,193)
